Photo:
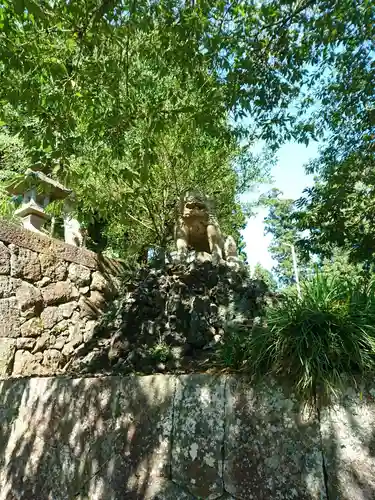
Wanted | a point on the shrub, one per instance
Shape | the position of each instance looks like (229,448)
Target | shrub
(233,351)
(319,341)
(160,352)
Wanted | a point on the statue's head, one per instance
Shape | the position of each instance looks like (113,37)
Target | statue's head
(195,204)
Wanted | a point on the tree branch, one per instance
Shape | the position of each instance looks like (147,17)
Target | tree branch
(139,221)
(286,20)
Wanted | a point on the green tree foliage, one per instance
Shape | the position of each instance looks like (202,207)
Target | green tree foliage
(107,69)
(12,161)
(116,103)
(342,90)
(280,225)
(261,273)
(338,265)
(93,88)
(112,75)
(126,220)
(121,222)
(339,210)
(283,223)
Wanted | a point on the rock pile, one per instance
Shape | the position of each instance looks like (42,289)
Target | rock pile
(171,319)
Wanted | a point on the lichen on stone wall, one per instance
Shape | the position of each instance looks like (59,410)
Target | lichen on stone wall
(157,437)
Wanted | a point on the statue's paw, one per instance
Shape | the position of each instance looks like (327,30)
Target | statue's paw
(232,259)
(235,263)
(181,258)
(203,257)
(217,260)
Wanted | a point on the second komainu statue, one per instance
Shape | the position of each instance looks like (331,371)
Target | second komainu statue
(197,229)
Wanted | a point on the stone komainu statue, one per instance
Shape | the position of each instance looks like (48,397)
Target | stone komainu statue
(197,228)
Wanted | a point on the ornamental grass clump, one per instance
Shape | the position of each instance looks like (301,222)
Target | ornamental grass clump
(320,341)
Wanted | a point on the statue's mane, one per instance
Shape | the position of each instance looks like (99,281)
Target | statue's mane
(194,195)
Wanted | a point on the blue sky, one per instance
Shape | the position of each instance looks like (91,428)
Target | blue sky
(289,176)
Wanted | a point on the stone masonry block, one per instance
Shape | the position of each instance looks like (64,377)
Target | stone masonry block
(198,435)
(24,264)
(272,444)
(7,351)
(10,320)
(52,267)
(4,259)
(91,438)
(348,435)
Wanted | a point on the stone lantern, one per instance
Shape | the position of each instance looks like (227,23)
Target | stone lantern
(37,190)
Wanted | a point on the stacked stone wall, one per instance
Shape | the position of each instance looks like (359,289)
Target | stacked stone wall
(51,298)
